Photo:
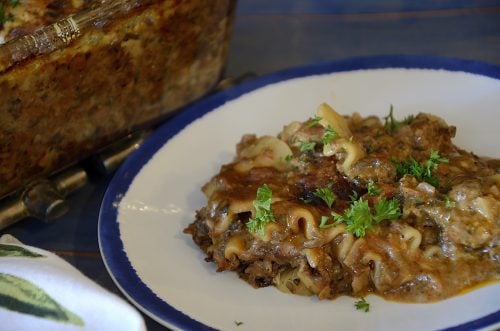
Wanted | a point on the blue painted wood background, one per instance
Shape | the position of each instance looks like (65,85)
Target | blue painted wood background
(270,35)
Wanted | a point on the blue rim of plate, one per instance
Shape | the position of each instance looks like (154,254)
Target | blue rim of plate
(112,249)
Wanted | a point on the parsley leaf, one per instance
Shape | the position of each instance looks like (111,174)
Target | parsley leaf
(391,124)
(314,121)
(330,134)
(434,160)
(362,304)
(323,223)
(410,167)
(307,146)
(3,5)
(306,200)
(421,171)
(354,196)
(373,189)
(263,212)
(326,194)
(386,210)
(449,203)
(359,218)
(238,323)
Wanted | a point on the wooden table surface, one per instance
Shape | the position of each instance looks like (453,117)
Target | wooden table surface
(278,34)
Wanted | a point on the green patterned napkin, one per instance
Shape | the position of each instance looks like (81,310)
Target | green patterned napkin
(40,291)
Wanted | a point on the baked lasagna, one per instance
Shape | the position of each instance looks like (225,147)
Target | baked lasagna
(106,69)
(351,205)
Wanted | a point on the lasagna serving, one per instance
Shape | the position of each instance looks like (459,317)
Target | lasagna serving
(347,205)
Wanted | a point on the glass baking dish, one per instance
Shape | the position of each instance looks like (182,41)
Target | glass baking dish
(78,75)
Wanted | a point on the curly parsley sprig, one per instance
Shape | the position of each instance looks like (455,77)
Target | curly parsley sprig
(391,124)
(373,189)
(423,172)
(353,197)
(3,5)
(449,203)
(314,121)
(362,304)
(359,217)
(326,194)
(329,135)
(306,146)
(263,212)
(386,210)
(433,162)
(324,222)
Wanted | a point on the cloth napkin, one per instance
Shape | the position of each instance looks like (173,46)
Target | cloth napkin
(41,291)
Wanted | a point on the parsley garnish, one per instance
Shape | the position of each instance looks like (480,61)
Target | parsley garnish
(314,121)
(359,218)
(373,189)
(409,167)
(326,194)
(289,158)
(449,203)
(323,223)
(263,212)
(434,160)
(421,171)
(391,124)
(362,304)
(354,196)
(386,210)
(3,4)
(306,200)
(238,323)
(307,146)
(330,134)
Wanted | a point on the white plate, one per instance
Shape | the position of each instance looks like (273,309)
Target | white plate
(155,194)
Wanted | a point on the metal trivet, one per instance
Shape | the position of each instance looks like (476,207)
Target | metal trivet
(45,199)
